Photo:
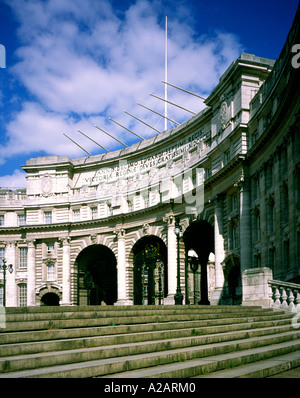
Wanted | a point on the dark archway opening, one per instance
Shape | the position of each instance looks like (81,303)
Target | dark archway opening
(233,285)
(97,276)
(50,299)
(150,271)
(199,236)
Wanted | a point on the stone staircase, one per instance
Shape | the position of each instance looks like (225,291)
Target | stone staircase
(147,342)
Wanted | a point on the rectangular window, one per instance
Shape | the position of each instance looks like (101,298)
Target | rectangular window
(271,216)
(1,220)
(48,217)
(94,212)
(257,225)
(22,219)
(22,295)
(2,254)
(235,237)
(234,202)
(286,253)
(50,247)
(226,157)
(76,215)
(50,272)
(23,257)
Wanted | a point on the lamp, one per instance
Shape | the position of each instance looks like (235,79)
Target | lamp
(3,268)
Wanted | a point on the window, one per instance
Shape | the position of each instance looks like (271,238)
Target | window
(48,217)
(286,253)
(270,215)
(22,219)
(130,206)
(23,257)
(226,157)
(146,201)
(235,237)
(50,247)
(1,220)
(2,254)
(94,211)
(50,272)
(256,187)
(234,202)
(257,226)
(22,290)
(76,215)
(269,176)
(284,198)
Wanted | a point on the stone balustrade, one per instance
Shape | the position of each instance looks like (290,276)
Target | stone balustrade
(285,295)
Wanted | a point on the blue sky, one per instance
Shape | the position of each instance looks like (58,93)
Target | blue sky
(73,64)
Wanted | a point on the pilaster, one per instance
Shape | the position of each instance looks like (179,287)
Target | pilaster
(66,277)
(121,268)
(219,249)
(172,258)
(31,271)
(245,224)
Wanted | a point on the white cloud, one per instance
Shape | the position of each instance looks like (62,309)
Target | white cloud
(16,180)
(83,62)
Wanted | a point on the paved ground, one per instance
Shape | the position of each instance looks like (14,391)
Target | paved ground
(290,374)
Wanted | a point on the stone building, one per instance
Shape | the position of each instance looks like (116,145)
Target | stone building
(101,229)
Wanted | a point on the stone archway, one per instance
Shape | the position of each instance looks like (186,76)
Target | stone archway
(97,276)
(49,294)
(232,293)
(50,299)
(199,236)
(150,282)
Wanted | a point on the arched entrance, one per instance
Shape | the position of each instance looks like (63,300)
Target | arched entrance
(150,271)
(97,276)
(199,237)
(233,284)
(50,299)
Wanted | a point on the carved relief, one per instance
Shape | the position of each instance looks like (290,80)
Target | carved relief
(46,185)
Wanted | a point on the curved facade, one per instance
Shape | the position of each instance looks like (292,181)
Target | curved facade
(102,229)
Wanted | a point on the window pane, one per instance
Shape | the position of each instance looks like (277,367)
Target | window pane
(48,217)
(23,295)
(50,272)
(23,257)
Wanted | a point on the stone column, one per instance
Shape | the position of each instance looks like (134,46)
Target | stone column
(245,225)
(31,273)
(219,250)
(172,259)
(66,272)
(121,268)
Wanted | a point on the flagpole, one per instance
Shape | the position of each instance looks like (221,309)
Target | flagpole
(166,74)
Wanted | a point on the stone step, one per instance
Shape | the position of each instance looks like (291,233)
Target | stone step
(209,366)
(99,318)
(259,328)
(109,312)
(262,369)
(228,322)
(125,308)
(200,359)
(100,341)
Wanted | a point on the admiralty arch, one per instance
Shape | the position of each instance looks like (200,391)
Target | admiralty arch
(177,218)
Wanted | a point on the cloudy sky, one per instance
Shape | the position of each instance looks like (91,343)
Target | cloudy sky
(74,64)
